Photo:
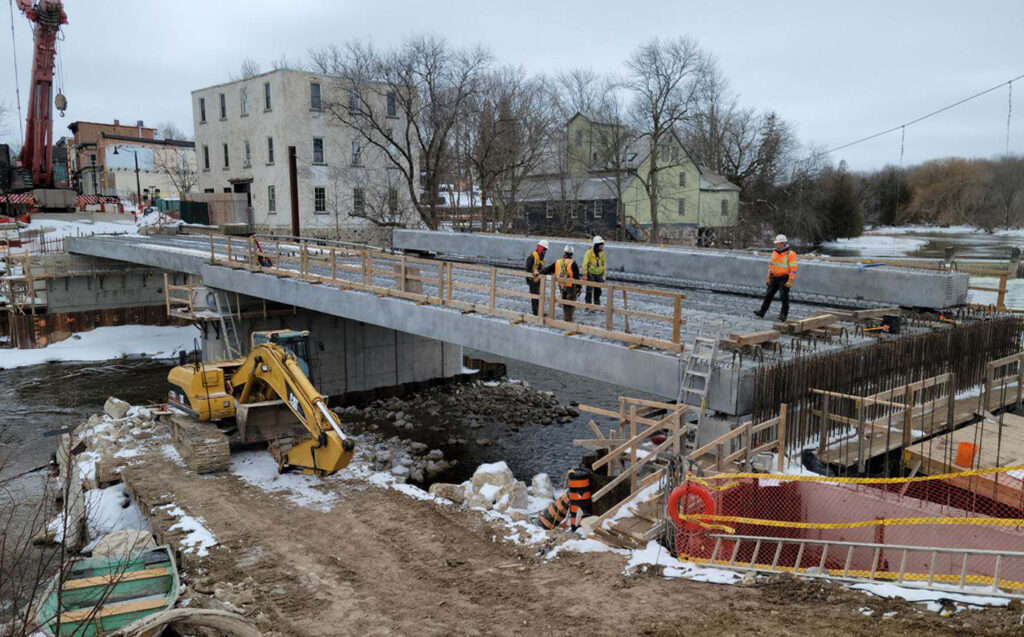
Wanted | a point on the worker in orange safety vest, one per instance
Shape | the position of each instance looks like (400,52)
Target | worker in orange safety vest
(568,272)
(781,274)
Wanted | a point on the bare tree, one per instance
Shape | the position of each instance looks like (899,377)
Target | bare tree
(179,165)
(1007,187)
(406,102)
(249,68)
(282,62)
(666,79)
(170,130)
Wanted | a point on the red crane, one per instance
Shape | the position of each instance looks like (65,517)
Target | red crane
(47,17)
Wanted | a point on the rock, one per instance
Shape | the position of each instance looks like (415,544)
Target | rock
(496,473)
(565,420)
(400,471)
(418,448)
(435,454)
(416,475)
(512,496)
(120,543)
(453,492)
(473,424)
(573,412)
(400,415)
(408,426)
(483,442)
(434,468)
(542,487)
(116,408)
(405,461)
(478,501)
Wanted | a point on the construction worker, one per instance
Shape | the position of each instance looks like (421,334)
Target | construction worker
(566,268)
(595,266)
(781,274)
(535,266)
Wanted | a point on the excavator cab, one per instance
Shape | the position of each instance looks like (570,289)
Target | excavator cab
(294,341)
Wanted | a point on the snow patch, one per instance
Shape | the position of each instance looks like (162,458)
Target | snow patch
(878,245)
(109,343)
(259,469)
(105,512)
(198,538)
(929,598)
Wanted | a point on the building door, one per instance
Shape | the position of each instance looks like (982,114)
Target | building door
(244,186)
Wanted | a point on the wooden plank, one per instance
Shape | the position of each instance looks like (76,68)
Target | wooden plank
(598,411)
(597,430)
(636,467)
(115,578)
(755,338)
(112,609)
(635,438)
(646,482)
(807,324)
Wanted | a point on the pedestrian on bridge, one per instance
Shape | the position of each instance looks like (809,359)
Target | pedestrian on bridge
(595,266)
(568,272)
(535,266)
(781,274)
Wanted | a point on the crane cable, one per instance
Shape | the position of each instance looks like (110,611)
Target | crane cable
(17,82)
(924,117)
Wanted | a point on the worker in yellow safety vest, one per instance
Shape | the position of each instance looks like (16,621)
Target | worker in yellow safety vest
(781,274)
(567,272)
(595,266)
(535,267)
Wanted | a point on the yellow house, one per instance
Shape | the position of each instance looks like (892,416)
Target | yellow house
(691,198)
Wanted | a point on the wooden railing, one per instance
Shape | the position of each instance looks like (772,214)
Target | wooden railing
(743,443)
(1004,376)
(430,281)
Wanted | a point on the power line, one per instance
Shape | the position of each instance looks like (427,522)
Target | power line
(924,117)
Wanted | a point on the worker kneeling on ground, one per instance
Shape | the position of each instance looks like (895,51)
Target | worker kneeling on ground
(781,274)
(568,272)
(535,266)
(595,266)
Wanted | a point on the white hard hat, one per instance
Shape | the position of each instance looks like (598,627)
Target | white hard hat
(781,238)
(598,239)
(544,244)
(569,249)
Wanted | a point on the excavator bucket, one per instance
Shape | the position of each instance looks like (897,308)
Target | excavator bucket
(316,457)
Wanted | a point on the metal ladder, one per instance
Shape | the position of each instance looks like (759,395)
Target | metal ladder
(953,580)
(228,329)
(697,376)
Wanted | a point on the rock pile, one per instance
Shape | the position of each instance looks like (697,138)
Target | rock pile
(106,442)
(493,487)
(406,460)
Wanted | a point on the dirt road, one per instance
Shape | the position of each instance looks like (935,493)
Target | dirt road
(382,563)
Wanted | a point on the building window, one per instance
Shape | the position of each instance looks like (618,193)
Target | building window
(208,190)
(314,96)
(271,199)
(353,100)
(665,153)
(355,152)
(248,155)
(392,201)
(682,180)
(244,99)
(675,153)
(318,150)
(206,158)
(574,210)
(549,210)
(319,199)
(392,104)
(579,139)
(597,210)
(202,110)
(227,163)
(358,201)
(682,207)
(223,107)
(270,150)
(266,96)
(725,207)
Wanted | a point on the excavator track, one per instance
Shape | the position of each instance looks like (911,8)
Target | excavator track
(202,446)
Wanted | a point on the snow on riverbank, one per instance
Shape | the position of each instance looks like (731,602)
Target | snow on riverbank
(108,343)
(59,228)
(877,245)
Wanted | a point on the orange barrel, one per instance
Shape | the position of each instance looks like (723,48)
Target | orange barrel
(555,513)
(579,492)
(965,452)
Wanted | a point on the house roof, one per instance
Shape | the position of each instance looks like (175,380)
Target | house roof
(571,187)
(713,181)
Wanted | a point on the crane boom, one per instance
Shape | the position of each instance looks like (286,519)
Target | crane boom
(47,17)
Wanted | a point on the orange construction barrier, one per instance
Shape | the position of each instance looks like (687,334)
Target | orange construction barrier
(965,452)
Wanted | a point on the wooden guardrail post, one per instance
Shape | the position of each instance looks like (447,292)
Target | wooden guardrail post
(826,403)
(231,257)
(440,282)
(334,267)
(908,416)
(213,251)
(677,315)
(1001,298)
(554,296)
(749,435)
(451,283)
(367,267)
(540,298)
(781,432)
(167,295)
(494,285)
(402,269)
(609,312)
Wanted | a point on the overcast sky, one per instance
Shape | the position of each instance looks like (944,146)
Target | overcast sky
(836,71)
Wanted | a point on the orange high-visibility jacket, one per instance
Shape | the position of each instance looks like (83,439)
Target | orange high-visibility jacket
(783,263)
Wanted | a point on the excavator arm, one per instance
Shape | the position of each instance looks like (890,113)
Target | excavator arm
(271,371)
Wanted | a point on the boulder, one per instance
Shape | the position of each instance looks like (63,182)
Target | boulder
(400,471)
(418,448)
(478,501)
(512,496)
(496,473)
(120,543)
(116,408)
(435,454)
(542,487)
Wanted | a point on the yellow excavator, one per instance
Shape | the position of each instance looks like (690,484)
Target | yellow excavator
(274,372)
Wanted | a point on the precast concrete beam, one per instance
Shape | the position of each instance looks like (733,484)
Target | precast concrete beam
(885,285)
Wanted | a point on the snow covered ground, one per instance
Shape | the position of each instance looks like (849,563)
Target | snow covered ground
(59,228)
(877,245)
(108,343)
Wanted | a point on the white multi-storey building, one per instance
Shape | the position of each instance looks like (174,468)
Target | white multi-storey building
(243,130)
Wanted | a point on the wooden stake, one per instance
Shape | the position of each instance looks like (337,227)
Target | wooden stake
(783,409)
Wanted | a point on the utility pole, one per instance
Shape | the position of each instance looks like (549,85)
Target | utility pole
(138,184)
(293,183)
